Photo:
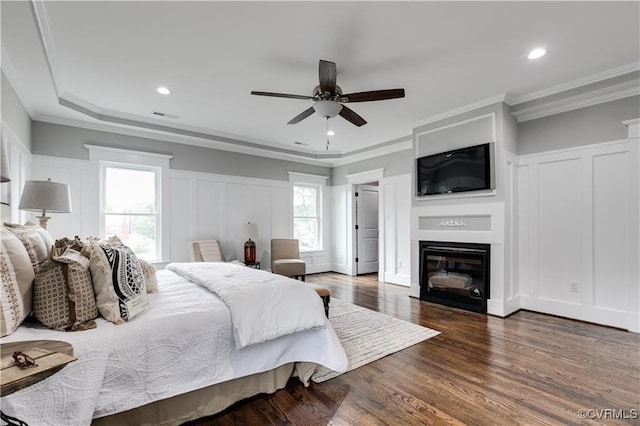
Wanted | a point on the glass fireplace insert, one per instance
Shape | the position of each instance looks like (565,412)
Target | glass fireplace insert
(455,274)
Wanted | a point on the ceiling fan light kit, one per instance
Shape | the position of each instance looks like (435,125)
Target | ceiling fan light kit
(328,109)
(329,99)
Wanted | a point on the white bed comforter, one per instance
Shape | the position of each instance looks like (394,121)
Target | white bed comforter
(263,306)
(181,342)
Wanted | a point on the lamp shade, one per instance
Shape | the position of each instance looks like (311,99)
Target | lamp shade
(41,195)
(251,230)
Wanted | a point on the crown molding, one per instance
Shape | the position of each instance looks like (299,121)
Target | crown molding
(607,94)
(504,97)
(574,84)
(46,39)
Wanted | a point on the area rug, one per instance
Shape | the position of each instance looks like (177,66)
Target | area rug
(367,336)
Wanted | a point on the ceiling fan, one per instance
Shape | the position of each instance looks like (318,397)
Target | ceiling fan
(328,97)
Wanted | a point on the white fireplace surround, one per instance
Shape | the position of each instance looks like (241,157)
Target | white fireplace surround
(471,223)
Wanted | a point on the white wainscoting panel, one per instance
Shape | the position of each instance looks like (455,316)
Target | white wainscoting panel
(341,220)
(199,206)
(217,207)
(610,235)
(559,229)
(397,230)
(182,219)
(576,250)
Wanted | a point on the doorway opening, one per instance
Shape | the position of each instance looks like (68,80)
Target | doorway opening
(367,228)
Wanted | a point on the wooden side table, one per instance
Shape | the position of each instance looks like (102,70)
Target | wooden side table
(254,265)
(50,356)
(42,371)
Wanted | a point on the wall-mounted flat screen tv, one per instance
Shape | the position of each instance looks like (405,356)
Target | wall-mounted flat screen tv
(460,170)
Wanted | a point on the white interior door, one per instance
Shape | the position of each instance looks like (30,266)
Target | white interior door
(367,229)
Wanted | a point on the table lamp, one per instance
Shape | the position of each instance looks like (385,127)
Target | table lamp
(251,230)
(39,195)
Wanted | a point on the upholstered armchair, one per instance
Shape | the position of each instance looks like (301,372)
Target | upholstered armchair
(285,259)
(207,251)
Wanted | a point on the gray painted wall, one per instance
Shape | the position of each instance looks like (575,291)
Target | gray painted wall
(14,114)
(397,163)
(68,141)
(584,126)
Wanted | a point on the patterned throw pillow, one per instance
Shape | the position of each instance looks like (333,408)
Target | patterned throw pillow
(63,296)
(16,282)
(118,281)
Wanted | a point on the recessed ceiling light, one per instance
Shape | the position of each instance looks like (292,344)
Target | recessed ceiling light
(330,133)
(537,53)
(163,90)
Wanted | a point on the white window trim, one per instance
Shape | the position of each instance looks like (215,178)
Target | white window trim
(320,183)
(140,160)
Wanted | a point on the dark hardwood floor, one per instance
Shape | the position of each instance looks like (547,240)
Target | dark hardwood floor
(528,369)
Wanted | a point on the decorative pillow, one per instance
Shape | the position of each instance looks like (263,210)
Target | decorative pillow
(31,238)
(46,237)
(16,282)
(63,296)
(118,280)
(149,273)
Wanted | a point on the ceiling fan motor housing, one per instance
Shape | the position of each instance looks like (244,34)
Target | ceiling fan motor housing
(327,95)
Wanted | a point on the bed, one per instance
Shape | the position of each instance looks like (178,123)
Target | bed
(179,359)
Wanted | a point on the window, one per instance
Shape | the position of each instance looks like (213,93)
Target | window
(131,206)
(306,216)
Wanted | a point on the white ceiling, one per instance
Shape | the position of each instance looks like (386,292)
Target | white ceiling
(109,57)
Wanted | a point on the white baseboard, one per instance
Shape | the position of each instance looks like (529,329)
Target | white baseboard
(316,269)
(619,319)
(512,305)
(634,322)
(404,280)
(341,269)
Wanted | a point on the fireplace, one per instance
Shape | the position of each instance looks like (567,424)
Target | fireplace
(455,274)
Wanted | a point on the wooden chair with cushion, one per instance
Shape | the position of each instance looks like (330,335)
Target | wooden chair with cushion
(285,259)
(207,251)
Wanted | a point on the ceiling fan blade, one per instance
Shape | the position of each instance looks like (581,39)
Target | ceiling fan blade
(351,116)
(282,95)
(304,114)
(327,71)
(373,95)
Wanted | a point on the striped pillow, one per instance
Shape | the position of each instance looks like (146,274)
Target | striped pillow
(16,282)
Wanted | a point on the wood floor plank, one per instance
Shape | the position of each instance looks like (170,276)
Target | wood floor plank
(528,369)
